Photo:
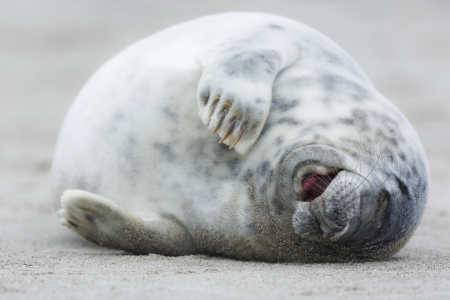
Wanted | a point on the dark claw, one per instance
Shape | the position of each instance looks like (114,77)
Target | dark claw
(224,114)
(244,127)
(230,130)
(215,104)
(73,224)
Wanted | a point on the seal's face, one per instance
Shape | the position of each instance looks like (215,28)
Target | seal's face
(352,206)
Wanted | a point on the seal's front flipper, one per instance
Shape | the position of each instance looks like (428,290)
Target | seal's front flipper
(235,108)
(234,94)
(105,223)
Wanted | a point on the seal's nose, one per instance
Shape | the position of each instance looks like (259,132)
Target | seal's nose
(333,228)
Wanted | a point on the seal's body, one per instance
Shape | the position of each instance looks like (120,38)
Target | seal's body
(324,167)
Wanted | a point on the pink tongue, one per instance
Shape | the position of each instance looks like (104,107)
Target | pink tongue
(315,185)
(310,181)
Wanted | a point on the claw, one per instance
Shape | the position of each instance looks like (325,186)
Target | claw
(244,127)
(214,107)
(230,130)
(237,141)
(73,224)
(215,104)
(224,114)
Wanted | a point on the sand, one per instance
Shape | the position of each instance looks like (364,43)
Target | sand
(49,48)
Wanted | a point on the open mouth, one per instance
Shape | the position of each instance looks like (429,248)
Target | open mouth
(314,185)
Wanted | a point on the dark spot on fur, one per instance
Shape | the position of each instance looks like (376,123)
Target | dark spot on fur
(262,169)
(263,189)
(346,121)
(288,121)
(359,118)
(271,174)
(247,175)
(170,113)
(335,83)
(388,153)
(359,115)
(329,82)
(283,104)
(331,57)
(385,209)
(393,141)
(387,122)
(252,64)
(252,228)
(321,125)
(403,188)
(279,140)
(407,174)
(306,130)
(293,83)
(275,27)
(387,138)
(358,92)
(402,156)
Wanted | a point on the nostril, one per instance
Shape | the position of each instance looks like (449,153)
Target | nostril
(331,228)
(339,227)
(334,225)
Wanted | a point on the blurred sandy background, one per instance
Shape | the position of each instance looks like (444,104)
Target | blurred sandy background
(49,48)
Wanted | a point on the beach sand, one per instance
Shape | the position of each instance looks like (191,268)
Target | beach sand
(49,48)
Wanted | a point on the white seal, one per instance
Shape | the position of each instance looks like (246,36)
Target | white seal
(324,167)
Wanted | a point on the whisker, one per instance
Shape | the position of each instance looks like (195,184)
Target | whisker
(372,189)
(365,177)
(357,161)
(332,183)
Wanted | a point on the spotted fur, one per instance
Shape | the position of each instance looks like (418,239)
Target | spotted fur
(287,99)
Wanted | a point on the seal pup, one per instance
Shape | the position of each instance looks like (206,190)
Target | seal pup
(307,160)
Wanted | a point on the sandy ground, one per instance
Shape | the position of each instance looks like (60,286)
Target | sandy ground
(48,49)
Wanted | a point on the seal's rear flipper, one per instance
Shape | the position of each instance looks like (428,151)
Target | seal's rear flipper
(105,223)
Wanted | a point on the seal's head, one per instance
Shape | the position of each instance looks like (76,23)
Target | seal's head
(351,204)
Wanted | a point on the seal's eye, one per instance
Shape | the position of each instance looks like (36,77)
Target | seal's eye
(314,185)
